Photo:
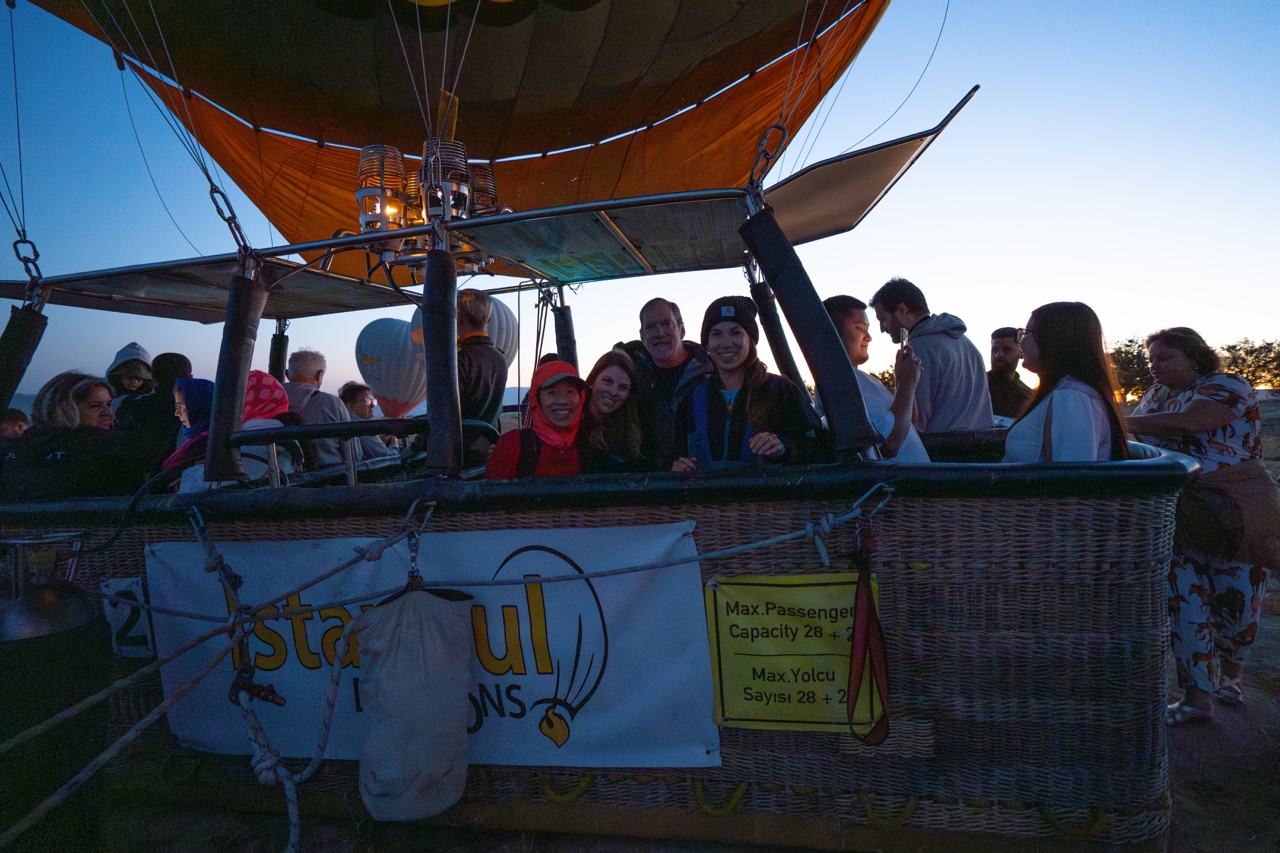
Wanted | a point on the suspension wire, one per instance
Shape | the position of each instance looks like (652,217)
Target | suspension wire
(942,27)
(789,114)
(444,58)
(129,110)
(815,75)
(791,75)
(465,47)
(831,105)
(18,216)
(181,132)
(426,123)
(422,60)
(173,71)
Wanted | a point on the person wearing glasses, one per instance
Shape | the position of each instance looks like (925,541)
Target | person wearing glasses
(667,368)
(1227,538)
(359,400)
(1073,416)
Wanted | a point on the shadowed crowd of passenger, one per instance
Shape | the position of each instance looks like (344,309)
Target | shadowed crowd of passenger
(662,403)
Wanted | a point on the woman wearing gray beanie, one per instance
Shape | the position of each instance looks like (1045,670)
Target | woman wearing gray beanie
(741,412)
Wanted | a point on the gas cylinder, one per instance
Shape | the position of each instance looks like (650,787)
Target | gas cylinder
(55,649)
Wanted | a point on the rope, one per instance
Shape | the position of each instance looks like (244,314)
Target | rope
(59,796)
(18,216)
(409,67)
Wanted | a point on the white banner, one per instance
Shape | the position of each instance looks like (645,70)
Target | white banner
(605,672)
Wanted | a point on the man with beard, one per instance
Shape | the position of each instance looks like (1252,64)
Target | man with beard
(667,368)
(952,395)
(1009,394)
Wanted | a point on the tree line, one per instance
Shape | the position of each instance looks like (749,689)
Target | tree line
(1257,362)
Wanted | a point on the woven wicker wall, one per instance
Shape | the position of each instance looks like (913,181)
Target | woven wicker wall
(1027,645)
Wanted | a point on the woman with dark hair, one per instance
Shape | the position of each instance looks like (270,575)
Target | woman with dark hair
(610,438)
(1073,416)
(71,449)
(741,412)
(1228,533)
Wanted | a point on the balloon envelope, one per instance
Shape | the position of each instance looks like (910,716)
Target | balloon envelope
(391,364)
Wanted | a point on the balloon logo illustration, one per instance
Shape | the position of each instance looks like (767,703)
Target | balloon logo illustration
(569,653)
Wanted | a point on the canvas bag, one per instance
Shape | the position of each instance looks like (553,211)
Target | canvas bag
(415,662)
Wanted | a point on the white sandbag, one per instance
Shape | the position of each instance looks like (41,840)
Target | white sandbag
(415,660)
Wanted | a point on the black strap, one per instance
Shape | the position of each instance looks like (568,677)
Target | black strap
(530,450)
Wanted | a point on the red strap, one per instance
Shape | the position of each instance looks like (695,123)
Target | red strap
(868,653)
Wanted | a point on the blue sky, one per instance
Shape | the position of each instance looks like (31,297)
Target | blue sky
(1121,154)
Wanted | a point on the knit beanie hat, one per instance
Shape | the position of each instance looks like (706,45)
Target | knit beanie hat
(739,309)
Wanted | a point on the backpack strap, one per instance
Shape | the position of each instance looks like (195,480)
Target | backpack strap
(530,451)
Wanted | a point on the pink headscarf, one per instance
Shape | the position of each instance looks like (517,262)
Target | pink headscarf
(264,397)
(547,431)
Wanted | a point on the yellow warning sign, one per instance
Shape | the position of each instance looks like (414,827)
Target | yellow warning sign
(780,650)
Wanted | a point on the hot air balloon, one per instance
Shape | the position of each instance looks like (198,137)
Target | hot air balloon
(565,100)
(503,329)
(391,364)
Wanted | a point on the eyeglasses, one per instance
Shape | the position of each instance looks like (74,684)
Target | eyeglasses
(1022,333)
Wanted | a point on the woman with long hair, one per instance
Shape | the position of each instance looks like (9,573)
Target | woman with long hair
(741,412)
(1073,416)
(72,449)
(1227,538)
(610,438)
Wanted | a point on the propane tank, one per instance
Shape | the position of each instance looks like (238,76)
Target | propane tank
(55,649)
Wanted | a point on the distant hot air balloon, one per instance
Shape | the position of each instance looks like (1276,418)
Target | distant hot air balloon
(391,363)
(503,329)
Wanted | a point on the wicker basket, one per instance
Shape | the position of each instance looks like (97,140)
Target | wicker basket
(1027,643)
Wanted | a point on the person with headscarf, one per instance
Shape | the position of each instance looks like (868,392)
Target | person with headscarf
(548,446)
(72,449)
(264,401)
(741,412)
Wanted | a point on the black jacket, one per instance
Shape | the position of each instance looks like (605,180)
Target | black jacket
(482,379)
(780,408)
(59,463)
(658,404)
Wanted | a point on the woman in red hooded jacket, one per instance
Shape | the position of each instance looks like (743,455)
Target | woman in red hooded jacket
(546,448)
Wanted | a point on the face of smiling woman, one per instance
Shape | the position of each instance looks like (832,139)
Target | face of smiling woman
(728,345)
(610,390)
(559,402)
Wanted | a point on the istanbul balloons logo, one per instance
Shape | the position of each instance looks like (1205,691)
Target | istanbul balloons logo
(567,654)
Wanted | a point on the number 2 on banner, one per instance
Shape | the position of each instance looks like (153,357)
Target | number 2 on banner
(130,627)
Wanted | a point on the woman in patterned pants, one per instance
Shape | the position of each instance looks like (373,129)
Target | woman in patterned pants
(1228,535)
